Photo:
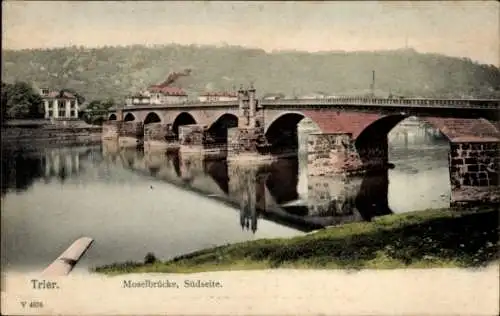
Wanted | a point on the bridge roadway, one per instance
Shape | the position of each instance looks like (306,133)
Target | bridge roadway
(352,135)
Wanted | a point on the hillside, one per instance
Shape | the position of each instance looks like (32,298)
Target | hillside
(99,73)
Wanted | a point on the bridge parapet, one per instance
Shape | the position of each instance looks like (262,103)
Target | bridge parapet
(360,101)
(182,105)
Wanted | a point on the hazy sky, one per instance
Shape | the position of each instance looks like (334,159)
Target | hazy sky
(455,28)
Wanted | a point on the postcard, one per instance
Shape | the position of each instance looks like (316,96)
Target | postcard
(250,158)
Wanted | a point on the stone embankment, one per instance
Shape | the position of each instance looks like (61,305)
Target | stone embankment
(49,133)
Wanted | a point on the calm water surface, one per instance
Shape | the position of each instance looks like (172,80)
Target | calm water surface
(133,202)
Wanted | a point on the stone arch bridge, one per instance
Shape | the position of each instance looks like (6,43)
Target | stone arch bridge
(352,135)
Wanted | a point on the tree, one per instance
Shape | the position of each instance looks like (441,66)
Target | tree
(96,111)
(20,100)
(6,91)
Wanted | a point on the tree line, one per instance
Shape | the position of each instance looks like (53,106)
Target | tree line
(20,100)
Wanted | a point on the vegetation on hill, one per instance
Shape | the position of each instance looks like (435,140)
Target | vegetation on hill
(114,72)
(424,239)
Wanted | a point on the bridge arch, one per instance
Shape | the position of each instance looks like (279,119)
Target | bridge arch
(373,139)
(282,131)
(183,118)
(129,117)
(152,117)
(218,130)
(112,117)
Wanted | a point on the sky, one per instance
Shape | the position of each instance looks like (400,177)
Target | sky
(455,28)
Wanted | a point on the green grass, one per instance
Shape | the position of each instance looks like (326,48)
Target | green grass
(424,239)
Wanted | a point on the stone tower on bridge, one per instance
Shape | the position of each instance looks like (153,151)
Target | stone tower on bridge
(249,136)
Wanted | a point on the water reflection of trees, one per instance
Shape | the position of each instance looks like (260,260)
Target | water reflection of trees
(21,166)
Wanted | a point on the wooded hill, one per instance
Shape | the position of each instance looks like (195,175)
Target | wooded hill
(114,72)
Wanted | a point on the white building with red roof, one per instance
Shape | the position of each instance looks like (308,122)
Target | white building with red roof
(160,94)
(217,96)
(59,104)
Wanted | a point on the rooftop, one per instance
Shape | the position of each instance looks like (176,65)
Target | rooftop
(167,90)
(58,94)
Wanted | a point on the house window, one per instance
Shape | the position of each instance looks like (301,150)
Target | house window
(62,112)
(50,113)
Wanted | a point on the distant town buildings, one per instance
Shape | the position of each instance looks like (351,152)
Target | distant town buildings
(161,94)
(274,96)
(59,105)
(158,94)
(137,99)
(316,95)
(218,96)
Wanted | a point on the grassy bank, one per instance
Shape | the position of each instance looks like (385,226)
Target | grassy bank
(431,238)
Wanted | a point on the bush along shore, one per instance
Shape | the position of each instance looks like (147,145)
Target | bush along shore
(424,239)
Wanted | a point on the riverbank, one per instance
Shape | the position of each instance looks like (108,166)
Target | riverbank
(424,239)
(32,132)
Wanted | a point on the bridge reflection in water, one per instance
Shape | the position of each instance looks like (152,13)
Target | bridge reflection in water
(280,191)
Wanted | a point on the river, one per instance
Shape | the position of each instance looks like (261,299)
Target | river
(132,203)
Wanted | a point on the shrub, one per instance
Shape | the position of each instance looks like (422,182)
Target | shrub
(150,258)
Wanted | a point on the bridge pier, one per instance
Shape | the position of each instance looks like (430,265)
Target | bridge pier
(474,175)
(111,130)
(192,139)
(160,136)
(130,134)
(337,153)
(332,154)
(248,144)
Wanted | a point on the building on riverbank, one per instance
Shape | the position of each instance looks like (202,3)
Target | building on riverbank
(59,105)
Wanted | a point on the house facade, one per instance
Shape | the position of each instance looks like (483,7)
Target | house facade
(137,99)
(217,96)
(59,105)
(158,94)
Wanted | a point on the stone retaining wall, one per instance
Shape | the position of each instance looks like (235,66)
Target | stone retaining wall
(62,135)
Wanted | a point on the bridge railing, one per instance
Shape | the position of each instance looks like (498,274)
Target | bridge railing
(359,101)
(364,101)
(192,103)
